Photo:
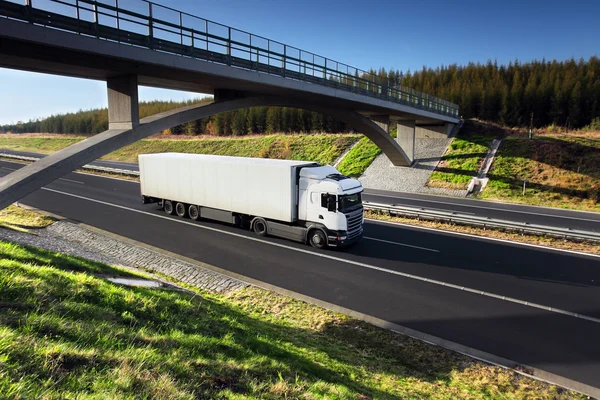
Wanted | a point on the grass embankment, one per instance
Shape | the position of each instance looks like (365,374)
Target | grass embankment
(539,240)
(359,158)
(464,156)
(20,219)
(561,170)
(66,332)
(321,148)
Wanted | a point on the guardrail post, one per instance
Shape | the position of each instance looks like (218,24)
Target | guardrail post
(181,27)
(29,13)
(284,58)
(229,45)
(95,10)
(150,30)
(118,25)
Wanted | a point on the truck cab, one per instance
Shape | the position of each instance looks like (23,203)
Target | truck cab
(330,203)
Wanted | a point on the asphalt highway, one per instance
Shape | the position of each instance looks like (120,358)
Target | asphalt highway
(489,295)
(554,217)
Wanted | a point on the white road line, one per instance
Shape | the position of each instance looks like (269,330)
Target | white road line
(484,207)
(356,263)
(401,244)
(69,180)
(442,231)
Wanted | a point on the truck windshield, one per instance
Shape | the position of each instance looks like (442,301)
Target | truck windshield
(349,202)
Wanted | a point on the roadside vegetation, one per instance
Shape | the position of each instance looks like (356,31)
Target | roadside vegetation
(496,233)
(464,156)
(67,332)
(556,170)
(321,148)
(359,158)
(17,218)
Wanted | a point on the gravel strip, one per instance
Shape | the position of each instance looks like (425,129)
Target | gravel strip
(69,238)
(382,175)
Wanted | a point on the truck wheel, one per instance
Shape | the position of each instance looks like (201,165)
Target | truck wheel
(194,213)
(180,210)
(317,239)
(260,227)
(169,209)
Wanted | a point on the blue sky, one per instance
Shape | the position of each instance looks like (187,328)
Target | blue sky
(365,34)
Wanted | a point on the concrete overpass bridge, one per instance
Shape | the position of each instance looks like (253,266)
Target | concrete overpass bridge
(142,43)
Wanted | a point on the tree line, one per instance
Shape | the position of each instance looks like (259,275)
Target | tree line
(256,120)
(563,93)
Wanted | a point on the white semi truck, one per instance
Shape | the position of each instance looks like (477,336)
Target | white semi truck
(297,200)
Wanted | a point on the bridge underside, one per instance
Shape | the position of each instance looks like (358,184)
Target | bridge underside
(31,47)
(126,128)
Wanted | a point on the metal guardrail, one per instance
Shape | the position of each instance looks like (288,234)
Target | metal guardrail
(145,24)
(414,212)
(88,167)
(452,217)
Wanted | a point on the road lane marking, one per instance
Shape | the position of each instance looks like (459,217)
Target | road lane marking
(437,231)
(70,180)
(443,232)
(401,244)
(334,258)
(484,207)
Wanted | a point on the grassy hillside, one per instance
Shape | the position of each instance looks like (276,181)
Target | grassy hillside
(464,156)
(359,158)
(559,171)
(67,332)
(321,148)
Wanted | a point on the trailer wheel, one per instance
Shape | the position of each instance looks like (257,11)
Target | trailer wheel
(169,209)
(194,213)
(180,210)
(260,227)
(317,239)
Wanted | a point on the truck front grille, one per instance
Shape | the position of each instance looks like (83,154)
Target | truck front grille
(354,222)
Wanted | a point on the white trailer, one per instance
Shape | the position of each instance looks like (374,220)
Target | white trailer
(297,200)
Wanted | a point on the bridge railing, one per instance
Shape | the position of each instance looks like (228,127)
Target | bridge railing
(145,24)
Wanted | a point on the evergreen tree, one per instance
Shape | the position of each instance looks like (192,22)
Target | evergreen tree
(238,124)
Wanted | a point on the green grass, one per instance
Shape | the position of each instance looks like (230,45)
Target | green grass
(460,163)
(321,148)
(359,158)
(66,332)
(560,171)
(37,144)
(465,155)
(17,218)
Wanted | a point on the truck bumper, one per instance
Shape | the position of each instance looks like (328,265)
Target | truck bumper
(341,239)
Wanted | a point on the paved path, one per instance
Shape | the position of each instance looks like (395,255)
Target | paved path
(382,175)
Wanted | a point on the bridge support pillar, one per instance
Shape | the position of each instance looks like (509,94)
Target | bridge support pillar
(405,135)
(123,105)
(440,131)
(382,121)
(406,138)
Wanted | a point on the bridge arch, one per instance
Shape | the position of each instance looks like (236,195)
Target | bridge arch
(32,177)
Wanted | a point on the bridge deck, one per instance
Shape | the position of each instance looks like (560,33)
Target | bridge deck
(151,26)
